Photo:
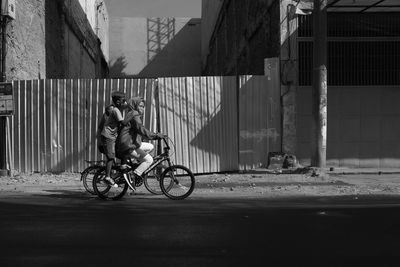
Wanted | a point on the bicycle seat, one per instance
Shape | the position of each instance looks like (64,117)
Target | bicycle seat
(94,162)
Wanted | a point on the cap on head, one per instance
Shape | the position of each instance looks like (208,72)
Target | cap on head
(118,97)
(118,94)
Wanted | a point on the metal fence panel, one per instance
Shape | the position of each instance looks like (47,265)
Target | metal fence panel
(199,114)
(259,119)
(55,121)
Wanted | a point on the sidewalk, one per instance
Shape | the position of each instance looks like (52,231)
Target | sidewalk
(378,171)
(255,183)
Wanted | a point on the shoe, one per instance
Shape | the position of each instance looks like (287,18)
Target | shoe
(110,181)
(128,179)
(132,192)
(124,167)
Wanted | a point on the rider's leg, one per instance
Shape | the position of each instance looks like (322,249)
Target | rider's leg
(110,155)
(145,160)
(147,147)
(109,164)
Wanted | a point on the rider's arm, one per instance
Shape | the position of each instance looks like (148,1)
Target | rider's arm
(136,124)
(101,125)
(128,117)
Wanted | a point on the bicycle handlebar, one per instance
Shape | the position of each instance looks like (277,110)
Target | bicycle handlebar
(165,139)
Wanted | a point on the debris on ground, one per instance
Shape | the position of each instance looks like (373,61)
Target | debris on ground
(264,182)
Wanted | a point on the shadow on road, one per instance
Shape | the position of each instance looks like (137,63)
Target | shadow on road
(73,228)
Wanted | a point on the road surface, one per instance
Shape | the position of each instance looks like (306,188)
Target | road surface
(72,228)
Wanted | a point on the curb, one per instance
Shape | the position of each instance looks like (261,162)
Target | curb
(363,172)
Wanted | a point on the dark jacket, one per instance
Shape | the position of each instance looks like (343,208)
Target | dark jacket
(130,136)
(100,127)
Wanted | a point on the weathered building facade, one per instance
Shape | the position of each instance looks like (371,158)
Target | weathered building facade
(54,39)
(363,70)
(238,36)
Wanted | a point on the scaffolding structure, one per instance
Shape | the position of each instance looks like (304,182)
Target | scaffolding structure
(160,32)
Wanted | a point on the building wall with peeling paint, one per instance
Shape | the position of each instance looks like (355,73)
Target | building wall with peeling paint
(52,39)
(97,15)
(26,46)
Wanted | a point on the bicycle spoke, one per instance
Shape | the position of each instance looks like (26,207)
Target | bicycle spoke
(180,182)
(152,181)
(104,190)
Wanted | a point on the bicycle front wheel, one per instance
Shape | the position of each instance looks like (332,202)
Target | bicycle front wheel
(177,182)
(106,191)
(152,181)
(87,177)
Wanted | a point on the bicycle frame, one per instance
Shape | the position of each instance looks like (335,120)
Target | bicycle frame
(160,158)
(157,160)
(168,178)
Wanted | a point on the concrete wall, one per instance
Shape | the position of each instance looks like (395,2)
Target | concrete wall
(97,15)
(102,29)
(209,14)
(180,57)
(52,39)
(246,32)
(289,75)
(80,63)
(26,53)
(86,43)
(128,54)
(363,126)
(128,49)
(89,8)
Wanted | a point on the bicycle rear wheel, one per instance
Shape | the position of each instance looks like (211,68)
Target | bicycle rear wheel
(87,177)
(182,180)
(106,191)
(152,181)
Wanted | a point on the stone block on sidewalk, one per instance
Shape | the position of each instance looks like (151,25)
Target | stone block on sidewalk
(275,160)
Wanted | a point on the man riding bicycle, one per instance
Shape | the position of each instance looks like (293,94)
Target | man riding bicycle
(129,143)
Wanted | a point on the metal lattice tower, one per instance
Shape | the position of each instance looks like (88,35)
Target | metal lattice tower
(159,32)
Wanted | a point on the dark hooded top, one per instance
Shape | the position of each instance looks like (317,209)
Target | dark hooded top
(130,136)
(100,127)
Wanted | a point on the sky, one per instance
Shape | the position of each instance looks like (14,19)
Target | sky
(154,8)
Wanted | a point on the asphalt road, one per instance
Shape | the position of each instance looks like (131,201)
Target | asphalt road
(74,229)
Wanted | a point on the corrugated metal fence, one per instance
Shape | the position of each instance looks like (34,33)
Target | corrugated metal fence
(259,120)
(200,114)
(55,121)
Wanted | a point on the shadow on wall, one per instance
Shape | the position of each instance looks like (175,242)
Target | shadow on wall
(55,65)
(243,134)
(188,105)
(180,57)
(118,67)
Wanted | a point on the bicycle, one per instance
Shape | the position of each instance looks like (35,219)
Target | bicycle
(151,180)
(88,174)
(176,181)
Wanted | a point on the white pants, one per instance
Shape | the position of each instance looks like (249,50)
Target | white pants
(142,155)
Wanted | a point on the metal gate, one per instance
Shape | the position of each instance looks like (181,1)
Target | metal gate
(363,89)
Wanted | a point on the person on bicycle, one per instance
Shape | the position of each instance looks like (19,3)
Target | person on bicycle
(104,118)
(129,142)
(108,131)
